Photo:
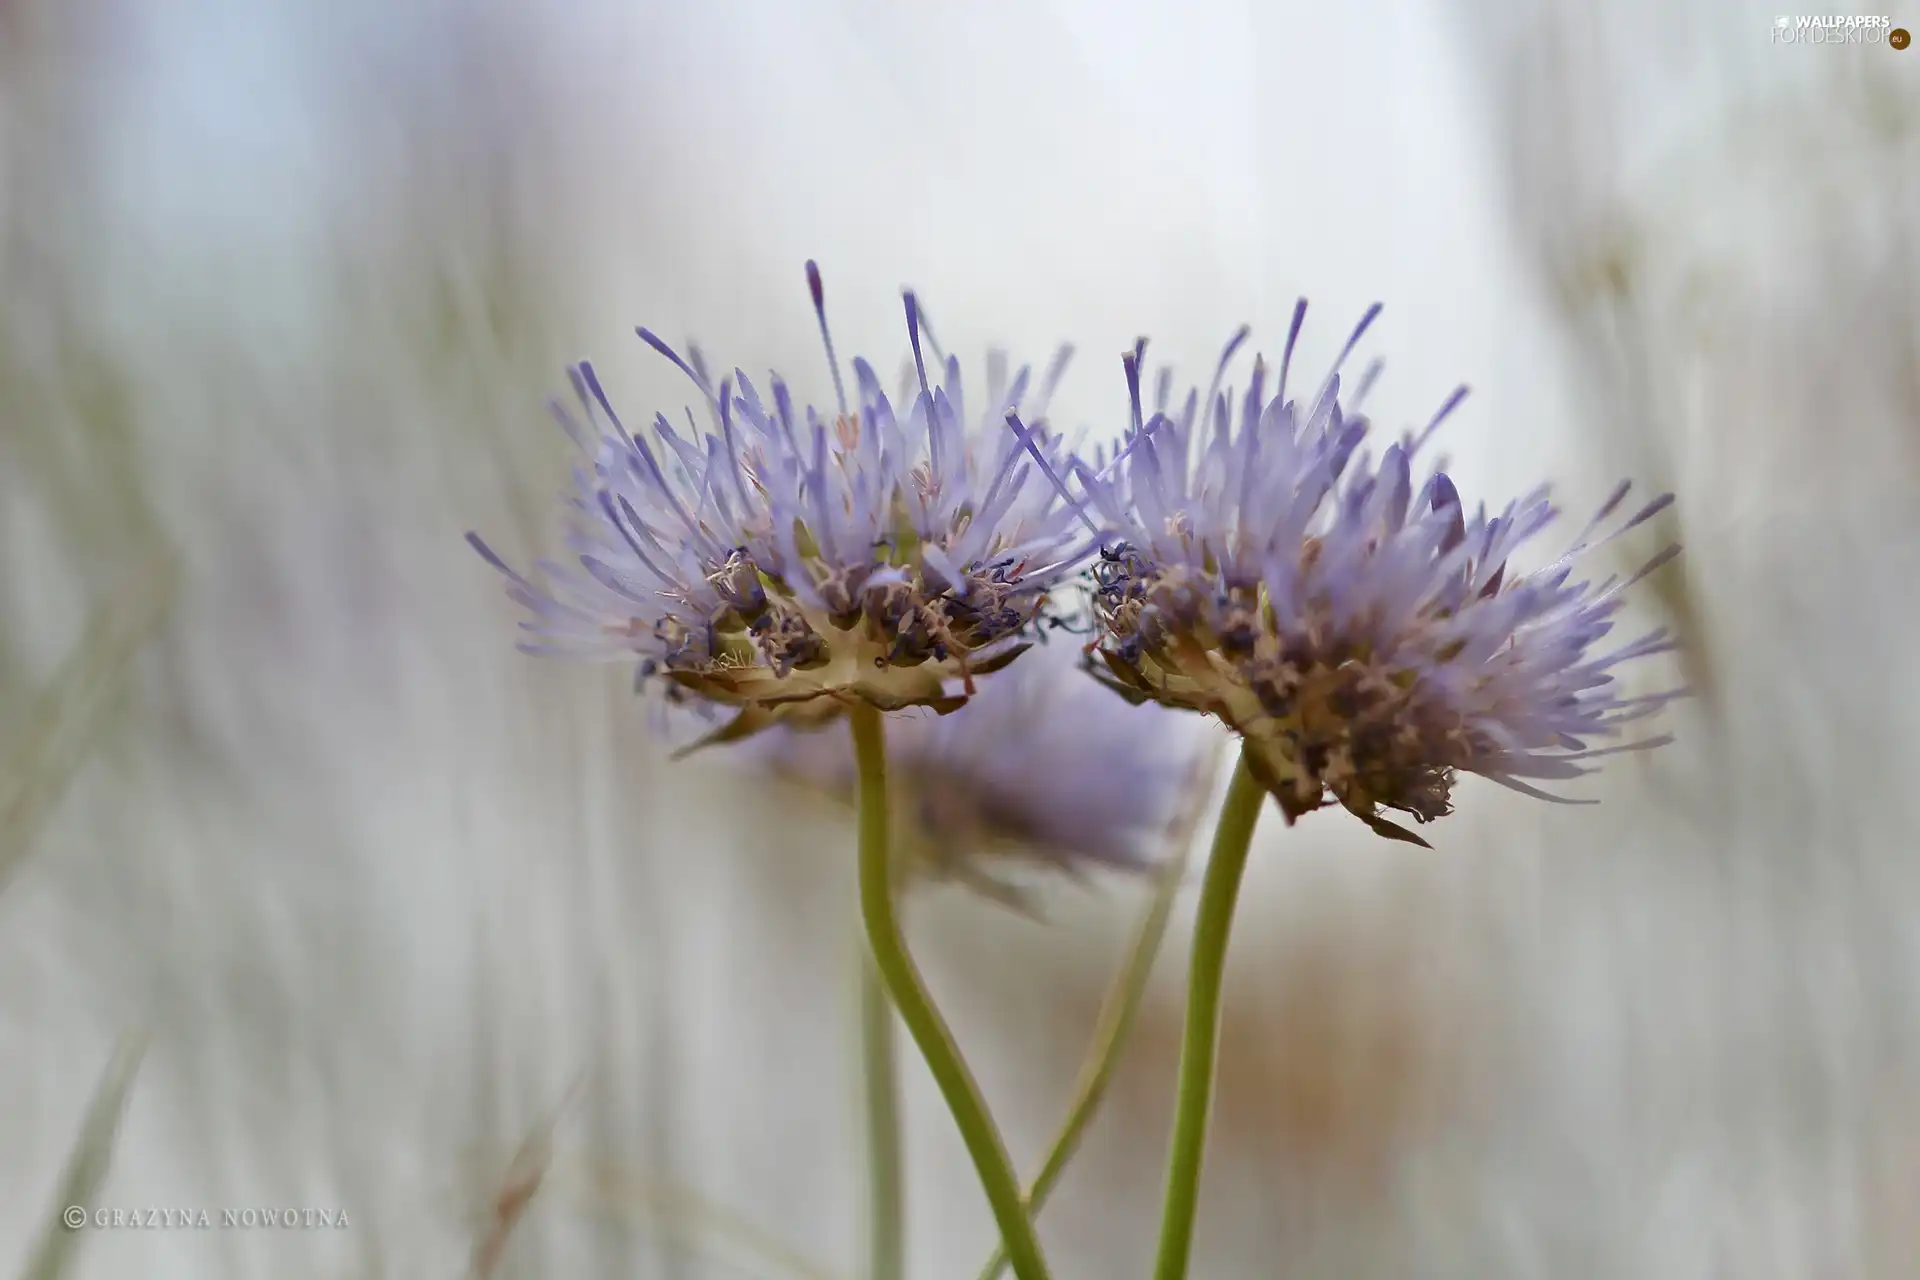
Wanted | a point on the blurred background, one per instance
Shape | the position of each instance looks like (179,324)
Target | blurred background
(284,289)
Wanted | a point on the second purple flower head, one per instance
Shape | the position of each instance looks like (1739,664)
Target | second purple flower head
(1366,637)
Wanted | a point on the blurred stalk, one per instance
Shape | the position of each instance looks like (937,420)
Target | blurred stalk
(1565,140)
(679,1209)
(68,405)
(67,719)
(1121,1007)
(519,1186)
(87,1167)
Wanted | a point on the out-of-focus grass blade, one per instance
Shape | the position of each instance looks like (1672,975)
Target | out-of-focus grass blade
(64,723)
(87,1166)
(684,1212)
(680,1209)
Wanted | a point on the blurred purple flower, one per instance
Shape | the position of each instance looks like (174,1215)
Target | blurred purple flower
(1041,765)
(1366,639)
(781,562)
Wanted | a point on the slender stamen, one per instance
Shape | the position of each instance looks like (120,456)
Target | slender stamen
(1240,336)
(1050,380)
(826,336)
(1331,385)
(1025,436)
(920,367)
(1369,376)
(1433,424)
(926,332)
(1286,356)
(699,379)
(1130,361)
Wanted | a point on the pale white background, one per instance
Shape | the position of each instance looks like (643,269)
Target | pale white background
(286,286)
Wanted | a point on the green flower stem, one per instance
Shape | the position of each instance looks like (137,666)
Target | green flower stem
(924,1023)
(886,1220)
(1117,1015)
(1218,892)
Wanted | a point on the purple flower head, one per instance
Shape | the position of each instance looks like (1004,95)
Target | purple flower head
(1040,766)
(1366,637)
(781,562)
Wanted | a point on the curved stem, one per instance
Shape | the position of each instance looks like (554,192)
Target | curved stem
(1116,1022)
(886,1220)
(924,1023)
(1214,922)
(1122,1004)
